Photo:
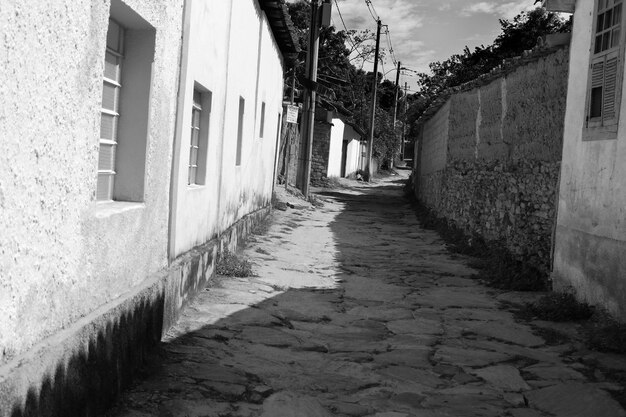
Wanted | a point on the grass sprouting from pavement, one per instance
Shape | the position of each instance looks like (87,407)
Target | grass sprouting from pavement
(559,307)
(233,265)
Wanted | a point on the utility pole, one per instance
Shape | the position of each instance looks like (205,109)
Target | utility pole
(370,144)
(395,109)
(290,129)
(406,104)
(320,16)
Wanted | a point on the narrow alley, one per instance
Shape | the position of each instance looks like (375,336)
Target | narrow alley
(355,310)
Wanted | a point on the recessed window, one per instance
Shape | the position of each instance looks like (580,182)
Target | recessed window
(262,129)
(125,108)
(109,114)
(242,108)
(196,111)
(198,143)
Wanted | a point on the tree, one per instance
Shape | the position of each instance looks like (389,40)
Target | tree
(517,36)
(340,69)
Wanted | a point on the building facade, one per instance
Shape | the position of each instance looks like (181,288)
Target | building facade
(591,226)
(139,138)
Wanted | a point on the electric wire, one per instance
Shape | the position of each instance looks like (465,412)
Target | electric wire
(372,10)
(345,27)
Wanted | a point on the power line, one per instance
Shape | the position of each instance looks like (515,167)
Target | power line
(393,55)
(372,10)
(344,26)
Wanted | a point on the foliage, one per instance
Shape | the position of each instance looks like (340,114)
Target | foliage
(342,55)
(606,334)
(233,265)
(517,36)
(560,307)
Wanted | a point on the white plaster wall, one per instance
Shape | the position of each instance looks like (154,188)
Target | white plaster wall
(353,151)
(353,157)
(592,198)
(335,149)
(205,61)
(231,52)
(62,255)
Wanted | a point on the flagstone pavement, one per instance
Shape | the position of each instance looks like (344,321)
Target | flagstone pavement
(355,310)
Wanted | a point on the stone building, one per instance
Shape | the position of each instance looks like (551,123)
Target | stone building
(591,226)
(139,136)
(488,154)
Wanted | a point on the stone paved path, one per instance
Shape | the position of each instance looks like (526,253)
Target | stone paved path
(357,311)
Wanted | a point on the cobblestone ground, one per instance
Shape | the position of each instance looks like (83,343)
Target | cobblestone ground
(358,311)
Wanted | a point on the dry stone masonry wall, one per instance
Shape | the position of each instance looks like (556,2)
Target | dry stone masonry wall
(321,149)
(503,145)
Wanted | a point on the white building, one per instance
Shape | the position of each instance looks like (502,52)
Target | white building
(590,240)
(122,149)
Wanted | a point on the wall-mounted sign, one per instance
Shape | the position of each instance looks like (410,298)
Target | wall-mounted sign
(292,114)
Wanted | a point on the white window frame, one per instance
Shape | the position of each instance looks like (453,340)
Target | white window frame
(194,145)
(106,169)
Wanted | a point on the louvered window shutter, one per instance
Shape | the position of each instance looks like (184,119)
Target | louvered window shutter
(610,90)
(597,84)
(605,70)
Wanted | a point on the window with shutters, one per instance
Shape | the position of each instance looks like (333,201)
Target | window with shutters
(606,70)
(109,115)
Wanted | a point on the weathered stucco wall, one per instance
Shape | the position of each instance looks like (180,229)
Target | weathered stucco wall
(254,73)
(435,141)
(63,254)
(489,158)
(230,52)
(591,226)
(87,287)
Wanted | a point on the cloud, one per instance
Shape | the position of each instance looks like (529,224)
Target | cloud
(402,18)
(507,10)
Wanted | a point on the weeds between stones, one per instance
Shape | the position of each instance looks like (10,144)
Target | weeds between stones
(261,228)
(233,265)
(600,331)
(605,334)
(560,307)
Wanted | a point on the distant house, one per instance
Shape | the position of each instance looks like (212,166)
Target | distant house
(347,148)
(128,159)
(590,239)
(338,145)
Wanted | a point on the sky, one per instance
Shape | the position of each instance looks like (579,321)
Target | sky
(423,31)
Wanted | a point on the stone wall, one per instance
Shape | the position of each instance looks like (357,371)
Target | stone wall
(502,147)
(321,149)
